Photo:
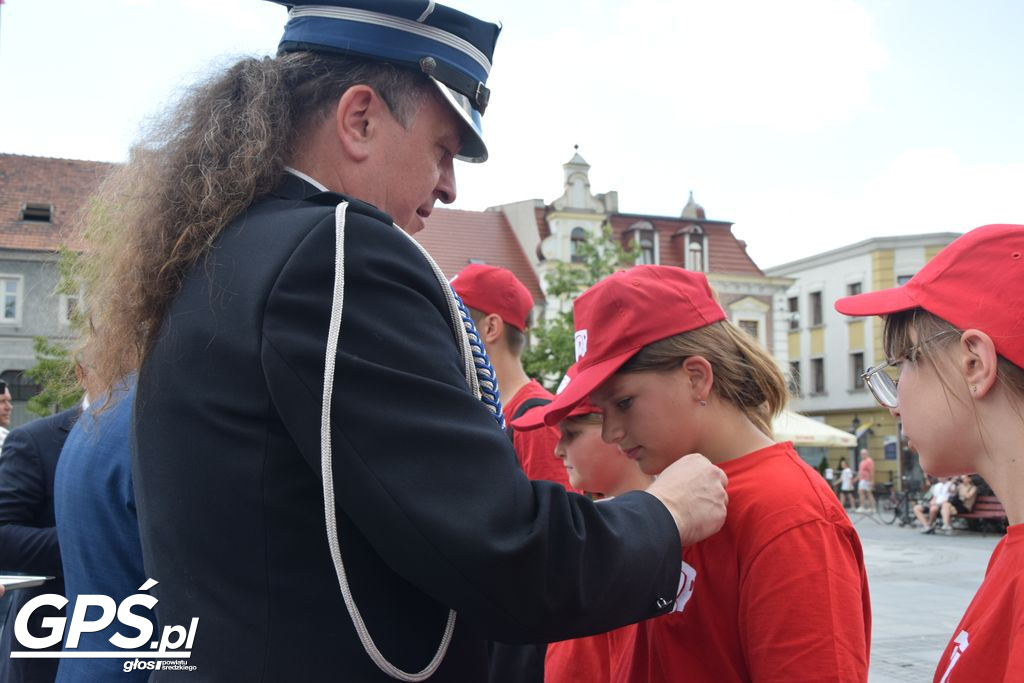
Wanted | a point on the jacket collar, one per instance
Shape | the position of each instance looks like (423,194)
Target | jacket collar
(292,186)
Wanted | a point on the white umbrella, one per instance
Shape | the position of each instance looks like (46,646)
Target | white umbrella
(804,431)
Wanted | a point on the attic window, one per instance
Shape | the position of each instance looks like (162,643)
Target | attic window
(33,211)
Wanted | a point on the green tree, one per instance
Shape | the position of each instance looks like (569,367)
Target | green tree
(551,350)
(54,370)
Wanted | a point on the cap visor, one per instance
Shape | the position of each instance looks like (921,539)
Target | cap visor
(473,148)
(578,389)
(882,302)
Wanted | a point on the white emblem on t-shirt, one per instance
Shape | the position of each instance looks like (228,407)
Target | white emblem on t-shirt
(958,649)
(581,344)
(687,579)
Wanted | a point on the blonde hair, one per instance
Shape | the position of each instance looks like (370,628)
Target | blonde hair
(586,419)
(744,374)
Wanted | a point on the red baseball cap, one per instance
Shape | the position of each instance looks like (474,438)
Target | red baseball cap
(494,290)
(975,282)
(625,312)
(534,419)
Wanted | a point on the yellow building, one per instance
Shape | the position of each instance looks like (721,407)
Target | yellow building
(828,352)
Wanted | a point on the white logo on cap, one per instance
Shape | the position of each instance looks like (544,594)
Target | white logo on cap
(581,344)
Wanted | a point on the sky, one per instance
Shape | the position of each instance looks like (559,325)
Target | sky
(810,124)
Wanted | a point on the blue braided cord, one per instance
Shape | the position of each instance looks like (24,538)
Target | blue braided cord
(485,374)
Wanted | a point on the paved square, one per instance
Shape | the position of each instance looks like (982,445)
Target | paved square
(920,586)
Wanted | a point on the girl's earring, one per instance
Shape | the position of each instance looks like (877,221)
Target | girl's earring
(974,388)
(703,402)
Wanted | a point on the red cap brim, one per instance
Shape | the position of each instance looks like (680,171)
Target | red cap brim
(575,393)
(882,302)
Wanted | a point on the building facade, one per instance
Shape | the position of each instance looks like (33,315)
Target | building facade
(40,199)
(549,234)
(828,352)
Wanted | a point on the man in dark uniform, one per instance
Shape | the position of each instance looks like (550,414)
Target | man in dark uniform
(318,479)
(28,533)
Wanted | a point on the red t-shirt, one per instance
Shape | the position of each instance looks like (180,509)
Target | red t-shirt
(988,644)
(588,660)
(780,592)
(536,448)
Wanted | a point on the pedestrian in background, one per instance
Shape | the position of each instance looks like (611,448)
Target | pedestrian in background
(866,482)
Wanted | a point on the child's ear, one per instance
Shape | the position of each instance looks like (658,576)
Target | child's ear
(698,372)
(978,361)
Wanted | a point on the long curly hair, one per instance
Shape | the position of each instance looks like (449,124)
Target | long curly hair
(223,146)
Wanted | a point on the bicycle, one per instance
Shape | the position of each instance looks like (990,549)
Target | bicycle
(897,505)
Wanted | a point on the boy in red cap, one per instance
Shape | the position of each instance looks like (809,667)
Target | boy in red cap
(954,335)
(600,468)
(673,376)
(501,308)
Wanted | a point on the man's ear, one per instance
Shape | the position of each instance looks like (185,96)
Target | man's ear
(700,375)
(978,361)
(356,120)
(491,329)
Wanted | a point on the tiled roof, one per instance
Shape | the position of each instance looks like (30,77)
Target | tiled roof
(454,237)
(64,183)
(726,254)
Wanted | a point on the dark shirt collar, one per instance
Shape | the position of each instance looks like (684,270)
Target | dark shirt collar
(292,186)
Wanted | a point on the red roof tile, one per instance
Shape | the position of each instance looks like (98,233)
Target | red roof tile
(726,254)
(64,183)
(454,237)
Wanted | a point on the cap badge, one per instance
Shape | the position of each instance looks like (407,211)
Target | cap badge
(581,344)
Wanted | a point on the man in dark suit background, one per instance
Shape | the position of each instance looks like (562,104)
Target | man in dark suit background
(28,532)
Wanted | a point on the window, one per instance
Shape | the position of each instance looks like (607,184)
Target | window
(818,375)
(748,326)
(903,279)
(816,316)
(856,370)
(645,239)
(794,378)
(695,254)
(33,211)
(853,289)
(577,237)
(794,313)
(10,299)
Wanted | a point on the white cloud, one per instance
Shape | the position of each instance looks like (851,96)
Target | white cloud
(920,190)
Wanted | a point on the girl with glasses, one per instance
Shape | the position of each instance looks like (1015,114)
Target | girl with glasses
(954,337)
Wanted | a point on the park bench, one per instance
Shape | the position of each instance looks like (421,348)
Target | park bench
(987,509)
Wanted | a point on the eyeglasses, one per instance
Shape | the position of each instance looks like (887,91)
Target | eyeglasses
(882,386)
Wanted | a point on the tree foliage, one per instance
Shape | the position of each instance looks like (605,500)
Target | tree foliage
(54,370)
(551,349)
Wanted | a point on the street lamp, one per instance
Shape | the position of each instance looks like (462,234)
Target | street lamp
(854,426)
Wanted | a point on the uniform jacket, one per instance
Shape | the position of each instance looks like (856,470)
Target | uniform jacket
(433,510)
(28,531)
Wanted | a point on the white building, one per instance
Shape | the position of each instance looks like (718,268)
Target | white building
(828,351)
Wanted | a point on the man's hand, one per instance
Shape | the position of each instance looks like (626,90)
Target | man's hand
(693,490)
